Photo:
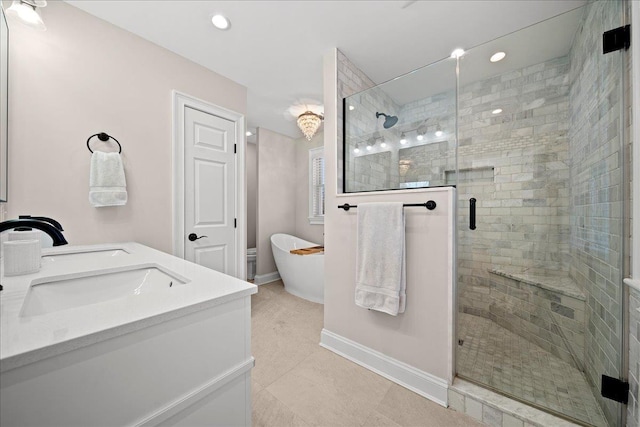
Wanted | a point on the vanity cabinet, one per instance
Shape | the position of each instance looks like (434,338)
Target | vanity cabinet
(192,370)
(179,356)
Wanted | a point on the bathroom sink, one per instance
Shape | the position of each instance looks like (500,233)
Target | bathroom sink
(84,256)
(52,294)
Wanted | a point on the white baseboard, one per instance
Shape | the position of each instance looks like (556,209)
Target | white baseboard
(261,279)
(426,385)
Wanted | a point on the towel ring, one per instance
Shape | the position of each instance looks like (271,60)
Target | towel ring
(103,137)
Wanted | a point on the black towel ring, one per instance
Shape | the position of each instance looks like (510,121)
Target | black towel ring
(103,137)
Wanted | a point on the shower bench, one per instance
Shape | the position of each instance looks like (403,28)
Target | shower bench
(548,310)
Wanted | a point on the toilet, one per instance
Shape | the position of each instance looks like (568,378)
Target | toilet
(251,263)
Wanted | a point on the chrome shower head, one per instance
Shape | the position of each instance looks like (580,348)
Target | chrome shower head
(389,121)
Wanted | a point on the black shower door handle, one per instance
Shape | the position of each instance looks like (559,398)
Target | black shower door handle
(472,213)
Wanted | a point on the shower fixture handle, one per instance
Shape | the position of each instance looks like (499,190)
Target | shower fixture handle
(193,237)
(472,213)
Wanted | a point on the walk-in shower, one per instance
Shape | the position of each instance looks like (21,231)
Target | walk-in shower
(534,144)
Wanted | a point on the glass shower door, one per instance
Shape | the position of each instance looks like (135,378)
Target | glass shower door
(540,215)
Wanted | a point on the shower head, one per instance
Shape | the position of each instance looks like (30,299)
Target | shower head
(389,121)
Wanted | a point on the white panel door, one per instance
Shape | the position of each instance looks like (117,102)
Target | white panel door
(210,191)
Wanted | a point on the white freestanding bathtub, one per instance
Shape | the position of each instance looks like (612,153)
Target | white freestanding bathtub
(302,275)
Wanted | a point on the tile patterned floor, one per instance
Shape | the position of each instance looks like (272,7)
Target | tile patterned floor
(298,383)
(495,356)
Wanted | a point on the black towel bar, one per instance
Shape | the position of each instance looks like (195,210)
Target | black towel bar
(431,205)
(103,137)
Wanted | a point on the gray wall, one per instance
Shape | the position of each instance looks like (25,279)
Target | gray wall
(252,193)
(276,193)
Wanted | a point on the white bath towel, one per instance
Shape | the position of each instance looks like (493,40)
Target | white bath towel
(380,260)
(107,184)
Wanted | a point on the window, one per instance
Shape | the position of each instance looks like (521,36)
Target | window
(316,185)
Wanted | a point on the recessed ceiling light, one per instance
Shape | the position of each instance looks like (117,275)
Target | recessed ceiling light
(220,22)
(351,108)
(497,111)
(457,53)
(498,56)
(248,133)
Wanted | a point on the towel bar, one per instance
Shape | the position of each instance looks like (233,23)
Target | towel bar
(431,205)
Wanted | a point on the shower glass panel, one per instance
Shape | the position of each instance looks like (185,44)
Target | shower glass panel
(401,134)
(540,156)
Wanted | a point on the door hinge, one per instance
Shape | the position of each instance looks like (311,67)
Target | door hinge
(616,39)
(235,222)
(615,389)
(235,148)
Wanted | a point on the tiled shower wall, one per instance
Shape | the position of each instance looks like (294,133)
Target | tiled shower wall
(522,211)
(350,80)
(595,135)
(426,115)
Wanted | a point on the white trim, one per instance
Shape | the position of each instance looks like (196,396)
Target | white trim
(423,383)
(633,284)
(635,134)
(180,101)
(261,279)
(314,220)
(195,395)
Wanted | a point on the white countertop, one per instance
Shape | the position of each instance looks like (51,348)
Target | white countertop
(25,340)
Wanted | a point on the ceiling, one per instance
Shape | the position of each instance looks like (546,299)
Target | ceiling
(275,48)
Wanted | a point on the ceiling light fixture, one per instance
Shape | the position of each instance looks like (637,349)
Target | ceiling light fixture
(383,144)
(357,149)
(309,123)
(370,145)
(457,53)
(28,13)
(403,166)
(497,111)
(420,136)
(351,108)
(248,133)
(403,138)
(498,56)
(439,132)
(220,22)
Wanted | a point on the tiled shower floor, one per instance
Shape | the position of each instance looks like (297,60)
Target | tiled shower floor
(507,362)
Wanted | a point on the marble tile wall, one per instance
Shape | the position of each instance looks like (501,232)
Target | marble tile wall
(596,184)
(552,320)
(350,80)
(427,115)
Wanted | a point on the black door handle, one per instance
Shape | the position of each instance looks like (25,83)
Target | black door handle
(472,213)
(193,237)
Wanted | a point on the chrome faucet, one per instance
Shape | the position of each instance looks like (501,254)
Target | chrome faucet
(47,227)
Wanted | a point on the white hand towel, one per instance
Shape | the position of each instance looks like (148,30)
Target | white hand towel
(380,260)
(107,185)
